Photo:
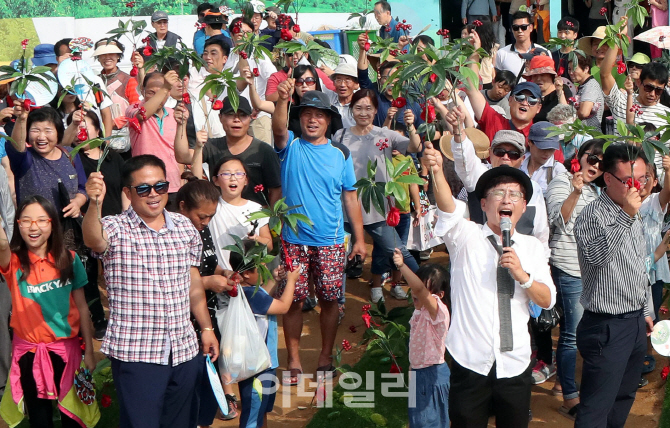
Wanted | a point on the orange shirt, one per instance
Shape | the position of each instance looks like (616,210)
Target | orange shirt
(43,309)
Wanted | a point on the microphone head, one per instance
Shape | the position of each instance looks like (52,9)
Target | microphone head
(505,224)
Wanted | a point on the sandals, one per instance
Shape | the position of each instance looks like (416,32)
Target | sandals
(570,413)
(326,372)
(289,375)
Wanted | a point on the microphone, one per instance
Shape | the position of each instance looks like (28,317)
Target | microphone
(506,228)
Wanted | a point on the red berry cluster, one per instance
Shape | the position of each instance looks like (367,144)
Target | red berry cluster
(366,46)
(148,50)
(82,135)
(186,98)
(394,52)
(143,113)
(237,28)
(244,55)
(200,25)
(146,40)
(134,124)
(258,188)
(477,23)
(399,102)
(130,4)
(403,26)
(633,183)
(444,33)
(621,67)
(428,113)
(134,71)
(296,28)
(346,345)
(217,105)
(603,11)
(574,165)
(286,34)
(256,72)
(637,109)
(366,308)
(352,328)
(24,44)
(570,24)
(383,144)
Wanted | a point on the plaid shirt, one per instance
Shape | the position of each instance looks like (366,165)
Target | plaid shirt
(148,282)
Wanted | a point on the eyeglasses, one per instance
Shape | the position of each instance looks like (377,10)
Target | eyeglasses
(532,101)
(228,175)
(634,65)
(512,154)
(499,195)
(522,27)
(643,181)
(27,223)
(657,90)
(309,81)
(341,80)
(592,160)
(144,190)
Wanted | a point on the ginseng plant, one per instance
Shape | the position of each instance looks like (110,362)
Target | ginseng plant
(23,74)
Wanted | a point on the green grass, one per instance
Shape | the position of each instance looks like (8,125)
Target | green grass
(665,413)
(393,409)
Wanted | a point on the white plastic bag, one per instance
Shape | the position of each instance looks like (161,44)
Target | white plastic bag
(422,237)
(243,350)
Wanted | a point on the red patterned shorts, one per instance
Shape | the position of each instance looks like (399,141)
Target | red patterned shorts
(324,264)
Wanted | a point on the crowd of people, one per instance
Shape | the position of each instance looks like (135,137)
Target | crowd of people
(537,225)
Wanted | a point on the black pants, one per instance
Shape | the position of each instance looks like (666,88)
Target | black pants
(474,397)
(157,396)
(40,410)
(543,344)
(613,350)
(92,293)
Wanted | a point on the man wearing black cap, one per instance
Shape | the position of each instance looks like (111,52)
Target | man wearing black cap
(162,37)
(539,162)
(259,157)
(317,176)
(491,288)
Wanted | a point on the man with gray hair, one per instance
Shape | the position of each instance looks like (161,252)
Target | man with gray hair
(564,114)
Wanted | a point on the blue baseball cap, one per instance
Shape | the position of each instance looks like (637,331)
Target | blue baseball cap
(539,135)
(528,86)
(44,54)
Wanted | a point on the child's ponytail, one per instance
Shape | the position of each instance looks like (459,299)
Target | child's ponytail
(437,279)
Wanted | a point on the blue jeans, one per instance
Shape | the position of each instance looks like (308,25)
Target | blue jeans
(568,293)
(402,229)
(431,394)
(386,239)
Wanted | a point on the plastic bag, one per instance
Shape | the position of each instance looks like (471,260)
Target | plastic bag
(243,349)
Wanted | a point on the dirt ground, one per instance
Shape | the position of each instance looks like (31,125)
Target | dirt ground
(644,414)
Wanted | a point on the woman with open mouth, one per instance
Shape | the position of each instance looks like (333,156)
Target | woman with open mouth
(39,162)
(567,195)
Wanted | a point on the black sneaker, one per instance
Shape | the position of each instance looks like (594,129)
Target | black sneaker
(100,330)
(354,267)
(309,303)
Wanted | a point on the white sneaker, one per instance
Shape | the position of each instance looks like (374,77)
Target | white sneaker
(398,292)
(376,294)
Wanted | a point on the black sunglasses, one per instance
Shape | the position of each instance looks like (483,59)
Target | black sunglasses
(657,90)
(532,101)
(144,190)
(522,27)
(512,154)
(308,80)
(593,160)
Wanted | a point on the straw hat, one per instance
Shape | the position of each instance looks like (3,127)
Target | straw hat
(478,138)
(585,42)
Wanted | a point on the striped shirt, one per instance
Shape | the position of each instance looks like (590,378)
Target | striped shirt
(148,276)
(563,244)
(611,251)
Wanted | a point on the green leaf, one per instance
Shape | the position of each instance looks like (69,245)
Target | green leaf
(410,179)
(378,198)
(302,218)
(258,215)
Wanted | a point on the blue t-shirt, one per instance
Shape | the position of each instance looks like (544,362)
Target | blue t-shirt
(3,152)
(199,41)
(267,324)
(315,177)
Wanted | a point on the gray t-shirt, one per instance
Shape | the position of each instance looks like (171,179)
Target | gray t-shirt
(591,91)
(364,148)
(502,103)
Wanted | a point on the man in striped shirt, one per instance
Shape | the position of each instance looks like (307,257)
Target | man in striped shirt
(611,336)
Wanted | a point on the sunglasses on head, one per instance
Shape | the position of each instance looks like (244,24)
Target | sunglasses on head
(657,90)
(512,154)
(522,27)
(144,190)
(306,81)
(532,101)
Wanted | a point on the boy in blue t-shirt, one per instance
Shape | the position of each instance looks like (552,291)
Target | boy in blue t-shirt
(256,401)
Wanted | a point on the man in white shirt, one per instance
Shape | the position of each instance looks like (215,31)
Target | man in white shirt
(261,125)
(539,162)
(507,148)
(508,58)
(491,289)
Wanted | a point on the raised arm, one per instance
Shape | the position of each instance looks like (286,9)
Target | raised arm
(182,153)
(280,117)
(152,105)
(196,161)
(432,159)
(362,53)
(477,100)
(606,78)
(20,133)
(95,237)
(256,101)
(283,304)
(664,196)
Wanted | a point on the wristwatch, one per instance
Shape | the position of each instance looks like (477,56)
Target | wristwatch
(529,283)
